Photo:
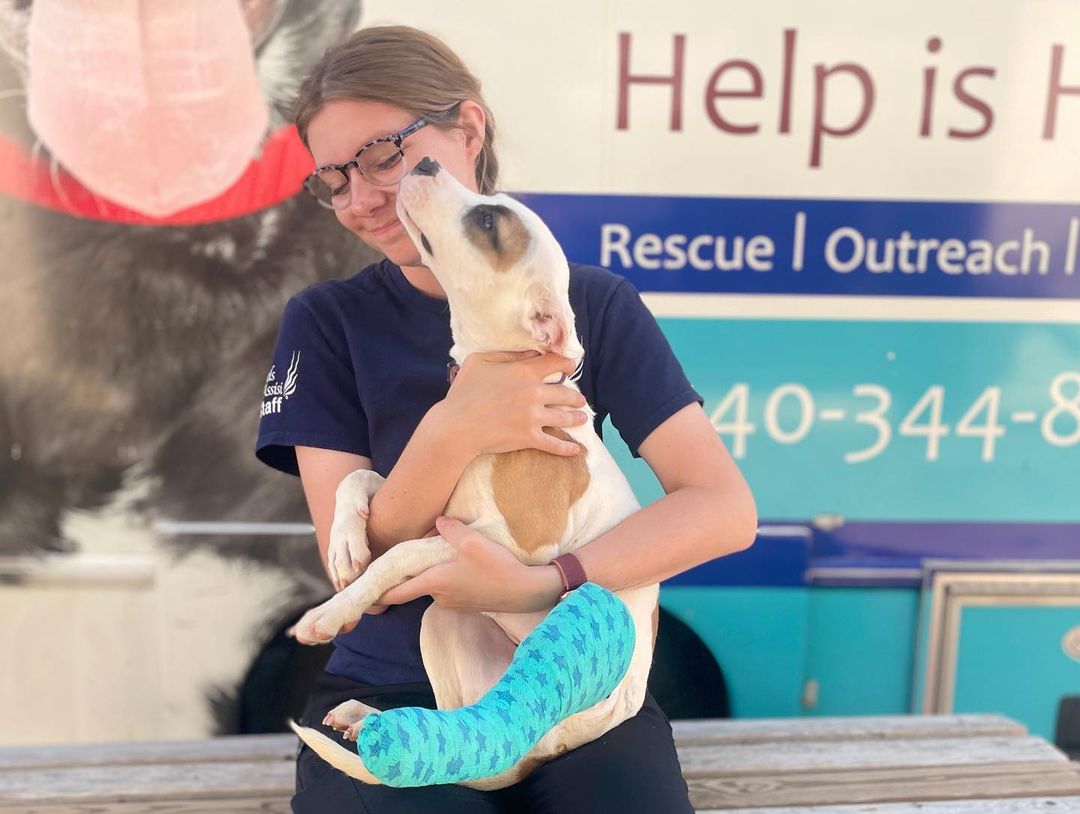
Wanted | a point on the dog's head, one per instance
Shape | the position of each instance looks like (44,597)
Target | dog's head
(504,274)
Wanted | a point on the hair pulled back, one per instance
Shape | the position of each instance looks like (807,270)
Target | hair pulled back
(406,68)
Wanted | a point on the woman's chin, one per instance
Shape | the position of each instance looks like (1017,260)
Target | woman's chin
(399,251)
(402,254)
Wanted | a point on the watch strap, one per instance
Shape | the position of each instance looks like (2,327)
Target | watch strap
(573,575)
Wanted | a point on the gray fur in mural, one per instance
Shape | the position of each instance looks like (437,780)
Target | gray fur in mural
(133,356)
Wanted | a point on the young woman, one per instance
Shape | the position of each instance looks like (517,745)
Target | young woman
(360,379)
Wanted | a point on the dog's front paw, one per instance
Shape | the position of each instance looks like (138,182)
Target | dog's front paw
(348,555)
(322,623)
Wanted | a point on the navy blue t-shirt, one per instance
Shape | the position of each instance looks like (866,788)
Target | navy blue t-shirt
(359,362)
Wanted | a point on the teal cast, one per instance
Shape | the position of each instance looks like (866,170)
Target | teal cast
(573,659)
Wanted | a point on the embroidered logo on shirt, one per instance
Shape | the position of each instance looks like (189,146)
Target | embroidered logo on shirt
(275,393)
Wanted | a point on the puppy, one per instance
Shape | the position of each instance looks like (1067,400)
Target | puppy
(506,280)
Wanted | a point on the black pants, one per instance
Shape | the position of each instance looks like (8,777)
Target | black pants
(633,769)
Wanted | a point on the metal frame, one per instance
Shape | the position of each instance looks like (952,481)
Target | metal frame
(955,585)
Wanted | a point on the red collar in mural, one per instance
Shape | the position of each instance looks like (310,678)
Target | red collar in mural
(275,175)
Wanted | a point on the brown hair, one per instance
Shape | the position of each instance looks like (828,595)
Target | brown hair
(406,68)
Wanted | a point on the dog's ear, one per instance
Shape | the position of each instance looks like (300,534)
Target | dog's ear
(549,319)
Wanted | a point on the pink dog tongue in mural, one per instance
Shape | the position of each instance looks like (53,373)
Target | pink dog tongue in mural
(152,103)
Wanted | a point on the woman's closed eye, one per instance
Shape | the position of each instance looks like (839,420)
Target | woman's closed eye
(388,163)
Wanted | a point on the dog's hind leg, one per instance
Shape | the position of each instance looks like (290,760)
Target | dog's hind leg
(573,659)
(347,718)
(464,654)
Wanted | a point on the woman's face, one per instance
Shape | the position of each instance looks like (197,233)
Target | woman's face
(342,126)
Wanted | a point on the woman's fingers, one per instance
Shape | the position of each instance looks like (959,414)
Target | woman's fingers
(550,363)
(559,396)
(554,417)
(504,355)
(502,401)
(552,439)
(553,445)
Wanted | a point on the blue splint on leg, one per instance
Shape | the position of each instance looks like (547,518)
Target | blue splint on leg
(573,659)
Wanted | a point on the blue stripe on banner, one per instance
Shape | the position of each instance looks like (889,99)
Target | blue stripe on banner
(861,553)
(799,246)
(775,561)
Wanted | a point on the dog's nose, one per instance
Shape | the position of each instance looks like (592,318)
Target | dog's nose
(426,166)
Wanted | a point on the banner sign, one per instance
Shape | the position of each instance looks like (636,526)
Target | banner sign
(857,224)
(777,246)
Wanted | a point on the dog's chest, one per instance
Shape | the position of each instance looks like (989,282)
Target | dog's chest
(532,491)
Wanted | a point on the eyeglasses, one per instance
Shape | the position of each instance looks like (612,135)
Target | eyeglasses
(381,161)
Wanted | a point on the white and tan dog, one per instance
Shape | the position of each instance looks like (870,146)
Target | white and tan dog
(507,281)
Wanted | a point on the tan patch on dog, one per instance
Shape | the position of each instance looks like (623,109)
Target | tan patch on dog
(534,491)
(504,242)
(655,624)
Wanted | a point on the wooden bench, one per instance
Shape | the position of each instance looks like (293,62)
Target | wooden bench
(965,764)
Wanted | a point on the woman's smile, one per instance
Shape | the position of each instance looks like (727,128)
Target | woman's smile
(388,229)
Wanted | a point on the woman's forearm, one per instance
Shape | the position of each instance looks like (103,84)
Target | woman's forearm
(420,484)
(681,530)
(691,525)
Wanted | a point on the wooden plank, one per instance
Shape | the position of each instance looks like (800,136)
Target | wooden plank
(687,733)
(875,727)
(250,805)
(238,748)
(242,773)
(923,783)
(791,756)
(191,781)
(1058,805)
(230,780)
(1054,805)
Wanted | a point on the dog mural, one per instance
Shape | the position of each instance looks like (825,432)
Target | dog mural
(136,340)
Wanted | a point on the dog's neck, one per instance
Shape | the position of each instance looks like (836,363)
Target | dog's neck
(462,347)
(474,333)
(458,351)
(477,336)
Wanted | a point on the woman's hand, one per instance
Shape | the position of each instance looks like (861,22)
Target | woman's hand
(483,576)
(499,403)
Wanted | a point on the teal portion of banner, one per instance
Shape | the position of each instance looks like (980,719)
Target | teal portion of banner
(891,420)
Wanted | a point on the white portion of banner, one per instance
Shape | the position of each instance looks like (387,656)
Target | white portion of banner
(889,309)
(551,74)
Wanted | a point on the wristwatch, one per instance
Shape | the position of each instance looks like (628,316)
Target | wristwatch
(573,575)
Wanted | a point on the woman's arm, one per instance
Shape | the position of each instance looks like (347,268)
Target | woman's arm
(498,403)
(708,512)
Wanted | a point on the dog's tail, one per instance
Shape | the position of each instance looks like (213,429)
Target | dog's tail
(339,757)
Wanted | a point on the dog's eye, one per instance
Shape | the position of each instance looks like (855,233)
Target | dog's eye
(426,244)
(484,217)
(489,225)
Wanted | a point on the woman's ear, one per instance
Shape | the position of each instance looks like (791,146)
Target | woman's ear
(472,119)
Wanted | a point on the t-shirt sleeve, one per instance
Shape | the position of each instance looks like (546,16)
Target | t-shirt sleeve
(638,380)
(310,396)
